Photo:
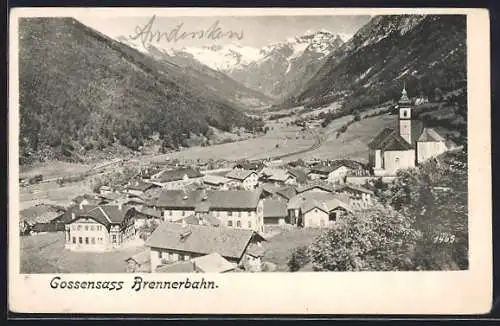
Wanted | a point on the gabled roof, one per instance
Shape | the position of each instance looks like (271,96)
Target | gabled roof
(430,135)
(275,208)
(298,201)
(238,174)
(378,141)
(41,213)
(217,199)
(213,263)
(215,180)
(249,165)
(92,200)
(354,187)
(177,174)
(141,185)
(299,174)
(275,174)
(77,210)
(204,219)
(396,143)
(140,257)
(105,214)
(326,206)
(149,212)
(201,239)
(287,192)
(312,185)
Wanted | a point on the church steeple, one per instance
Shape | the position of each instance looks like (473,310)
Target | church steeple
(405,116)
(404,97)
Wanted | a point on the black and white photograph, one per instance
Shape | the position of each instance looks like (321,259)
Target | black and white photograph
(160,144)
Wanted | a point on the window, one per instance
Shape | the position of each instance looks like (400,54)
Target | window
(114,238)
(93,240)
(238,224)
(92,228)
(183,213)
(159,254)
(74,239)
(86,227)
(229,223)
(80,240)
(250,224)
(249,213)
(229,213)
(86,240)
(396,161)
(170,213)
(79,227)
(239,214)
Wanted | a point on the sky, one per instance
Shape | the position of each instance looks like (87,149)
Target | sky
(252,31)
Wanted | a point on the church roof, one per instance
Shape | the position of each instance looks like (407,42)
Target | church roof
(430,135)
(377,142)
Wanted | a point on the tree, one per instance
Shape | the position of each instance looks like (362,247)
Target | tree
(379,239)
(299,258)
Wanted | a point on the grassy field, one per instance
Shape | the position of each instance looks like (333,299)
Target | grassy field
(353,144)
(51,192)
(280,246)
(45,253)
(53,169)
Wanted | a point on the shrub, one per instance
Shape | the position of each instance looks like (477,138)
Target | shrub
(299,258)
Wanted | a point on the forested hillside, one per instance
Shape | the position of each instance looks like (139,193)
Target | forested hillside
(80,90)
(426,52)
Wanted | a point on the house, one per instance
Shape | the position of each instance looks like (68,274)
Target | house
(103,190)
(315,187)
(323,214)
(359,197)
(316,209)
(233,208)
(139,188)
(245,179)
(146,216)
(139,263)
(177,178)
(216,182)
(335,171)
(40,218)
(173,242)
(252,166)
(407,145)
(86,199)
(278,176)
(275,211)
(299,174)
(100,228)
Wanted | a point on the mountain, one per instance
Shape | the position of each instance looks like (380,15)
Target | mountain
(202,74)
(285,66)
(428,53)
(82,91)
(274,70)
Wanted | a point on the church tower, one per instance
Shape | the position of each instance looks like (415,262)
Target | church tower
(404,105)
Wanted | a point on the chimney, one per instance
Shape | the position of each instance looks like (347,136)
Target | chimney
(120,206)
(81,205)
(73,216)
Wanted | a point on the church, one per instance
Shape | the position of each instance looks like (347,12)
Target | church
(407,145)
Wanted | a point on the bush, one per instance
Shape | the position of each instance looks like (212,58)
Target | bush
(299,258)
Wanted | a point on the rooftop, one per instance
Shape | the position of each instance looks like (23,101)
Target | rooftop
(201,239)
(275,208)
(216,199)
(213,263)
(238,174)
(177,174)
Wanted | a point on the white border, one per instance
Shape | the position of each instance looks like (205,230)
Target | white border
(461,292)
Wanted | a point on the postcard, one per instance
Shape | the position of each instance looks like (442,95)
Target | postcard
(249,161)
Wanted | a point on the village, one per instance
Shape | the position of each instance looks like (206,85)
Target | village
(180,218)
